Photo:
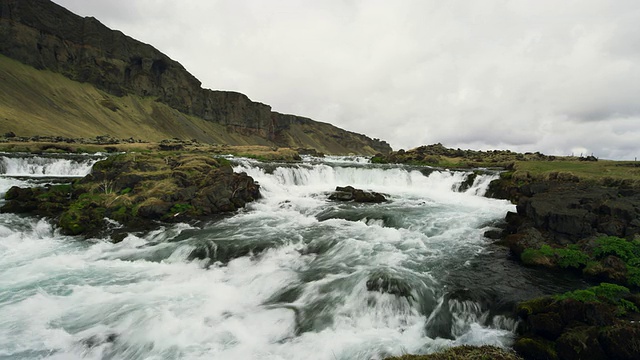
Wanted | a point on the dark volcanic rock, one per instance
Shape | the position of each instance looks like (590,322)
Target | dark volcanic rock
(349,193)
(571,329)
(137,190)
(567,212)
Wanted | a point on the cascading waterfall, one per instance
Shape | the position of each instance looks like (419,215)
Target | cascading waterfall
(292,276)
(38,166)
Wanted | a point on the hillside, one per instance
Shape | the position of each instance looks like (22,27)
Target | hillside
(84,79)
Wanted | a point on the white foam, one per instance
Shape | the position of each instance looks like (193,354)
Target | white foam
(36,166)
(58,291)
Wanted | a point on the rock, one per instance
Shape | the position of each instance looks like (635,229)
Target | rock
(577,329)
(468,182)
(385,282)
(349,193)
(137,190)
(621,341)
(535,348)
(567,213)
(580,343)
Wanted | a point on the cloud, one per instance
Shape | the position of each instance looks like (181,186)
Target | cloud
(543,76)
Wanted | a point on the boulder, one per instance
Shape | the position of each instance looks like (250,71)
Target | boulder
(138,190)
(349,193)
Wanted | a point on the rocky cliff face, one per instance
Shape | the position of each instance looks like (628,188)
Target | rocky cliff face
(44,35)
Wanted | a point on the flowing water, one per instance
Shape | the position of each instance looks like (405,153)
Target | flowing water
(292,276)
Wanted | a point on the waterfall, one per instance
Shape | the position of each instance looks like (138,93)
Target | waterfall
(40,166)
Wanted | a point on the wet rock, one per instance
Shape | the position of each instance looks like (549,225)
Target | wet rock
(97,340)
(621,341)
(349,193)
(386,283)
(468,182)
(580,343)
(136,190)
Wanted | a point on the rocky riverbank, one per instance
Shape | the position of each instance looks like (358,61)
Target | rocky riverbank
(136,191)
(567,224)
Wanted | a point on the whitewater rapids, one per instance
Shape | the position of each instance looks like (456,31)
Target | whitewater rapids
(289,277)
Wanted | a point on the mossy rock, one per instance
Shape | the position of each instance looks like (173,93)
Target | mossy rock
(84,216)
(465,352)
(580,342)
(535,348)
(621,341)
(533,306)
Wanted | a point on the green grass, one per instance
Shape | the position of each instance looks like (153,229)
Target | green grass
(591,262)
(590,171)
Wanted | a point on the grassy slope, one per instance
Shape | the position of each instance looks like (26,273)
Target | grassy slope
(37,102)
(40,102)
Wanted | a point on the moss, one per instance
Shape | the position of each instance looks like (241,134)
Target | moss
(533,306)
(605,292)
(83,216)
(465,352)
(378,159)
(569,257)
(507,175)
(535,348)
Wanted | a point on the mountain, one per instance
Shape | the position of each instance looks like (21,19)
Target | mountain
(90,80)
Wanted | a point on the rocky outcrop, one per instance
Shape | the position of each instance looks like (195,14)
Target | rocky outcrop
(137,190)
(596,323)
(349,193)
(439,155)
(568,212)
(47,36)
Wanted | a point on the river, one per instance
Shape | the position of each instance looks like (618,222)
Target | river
(292,276)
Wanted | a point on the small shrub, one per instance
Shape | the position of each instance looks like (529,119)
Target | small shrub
(587,295)
(378,160)
(612,245)
(605,292)
(570,256)
(633,275)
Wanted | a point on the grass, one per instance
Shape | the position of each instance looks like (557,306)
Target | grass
(41,102)
(589,171)
(590,261)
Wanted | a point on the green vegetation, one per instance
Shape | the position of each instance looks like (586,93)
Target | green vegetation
(169,186)
(591,261)
(571,256)
(611,245)
(605,292)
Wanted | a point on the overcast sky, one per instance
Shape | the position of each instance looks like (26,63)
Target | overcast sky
(556,76)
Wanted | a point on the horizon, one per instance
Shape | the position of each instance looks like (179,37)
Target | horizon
(547,77)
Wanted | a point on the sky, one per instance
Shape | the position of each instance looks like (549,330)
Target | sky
(559,77)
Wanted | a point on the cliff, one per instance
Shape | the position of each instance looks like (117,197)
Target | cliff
(46,36)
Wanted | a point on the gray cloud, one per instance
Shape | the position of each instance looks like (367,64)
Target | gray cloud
(547,76)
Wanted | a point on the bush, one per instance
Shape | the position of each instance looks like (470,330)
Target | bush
(571,256)
(605,292)
(612,245)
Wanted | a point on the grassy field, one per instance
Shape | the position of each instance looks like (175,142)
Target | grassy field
(606,172)
(260,152)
